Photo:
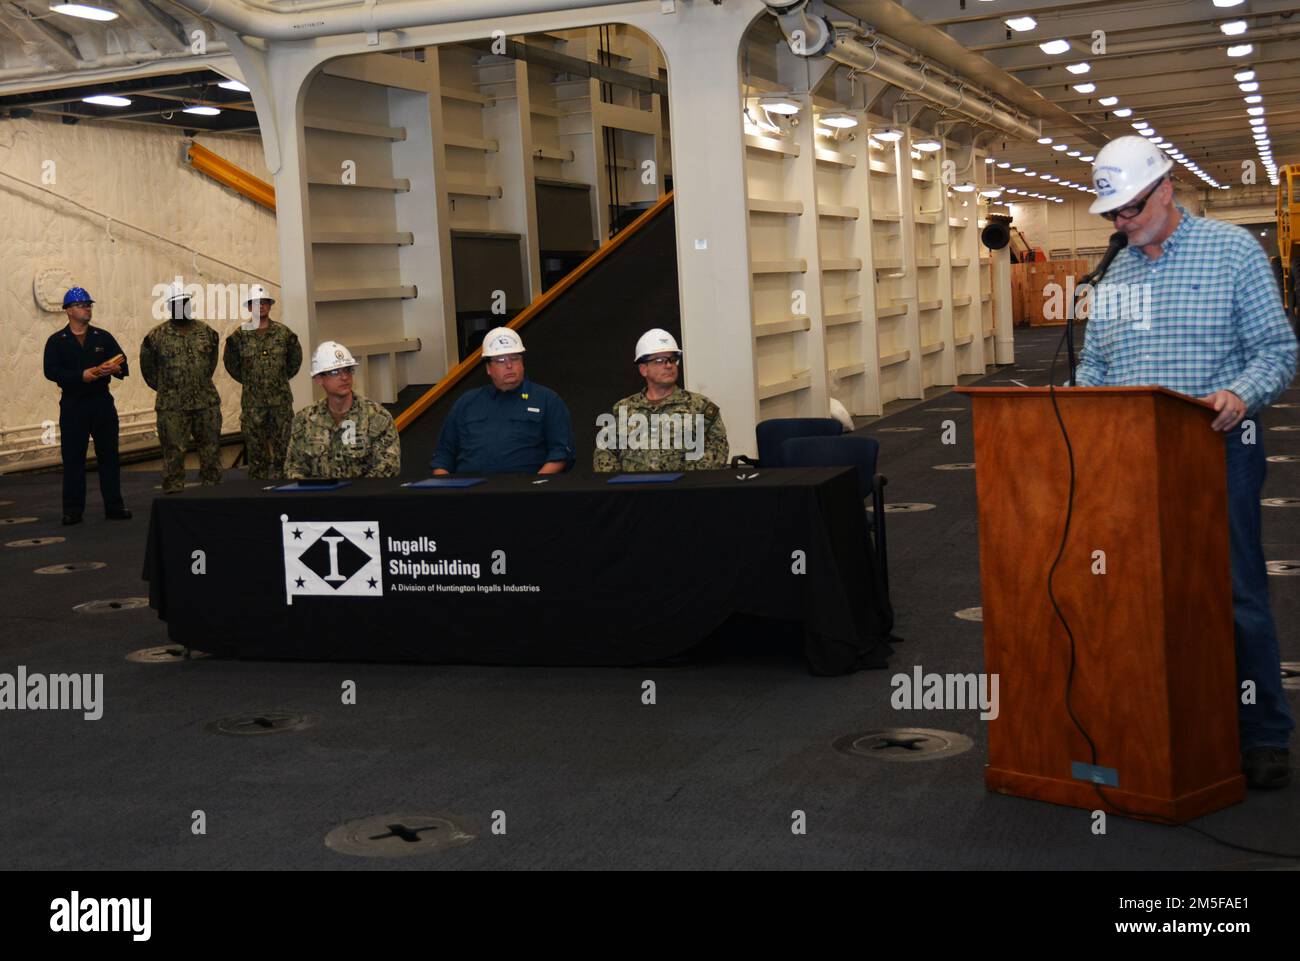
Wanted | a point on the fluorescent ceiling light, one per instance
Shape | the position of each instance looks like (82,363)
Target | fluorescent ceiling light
(990,160)
(1257,121)
(1255,111)
(234,85)
(1234,28)
(888,133)
(1031,173)
(1253,98)
(106,100)
(1021,24)
(1054,47)
(964,187)
(1085,87)
(840,121)
(1018,170)
(1139,124)
(1244,75)
(84,11)
(1164,144)
(1250,87)
(1124,112)
(1108,101)
(781,105)
(1004,165)
(1240,50)
(1078,67)
(202,111)
(991,192)
(928,145)
(1088,158)
(1044,140)
(1074,153)
(1060,146)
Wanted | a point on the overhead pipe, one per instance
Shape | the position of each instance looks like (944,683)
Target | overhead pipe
(812,36)
(328,18)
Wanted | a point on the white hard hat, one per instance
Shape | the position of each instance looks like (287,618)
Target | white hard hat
(655,341)
(500,341)
(177,292)
(258,292)
(1123,169)
(331,356)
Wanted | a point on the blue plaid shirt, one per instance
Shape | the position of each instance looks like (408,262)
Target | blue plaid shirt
(1205,316)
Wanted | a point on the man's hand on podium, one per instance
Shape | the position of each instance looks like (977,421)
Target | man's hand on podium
(1231,409)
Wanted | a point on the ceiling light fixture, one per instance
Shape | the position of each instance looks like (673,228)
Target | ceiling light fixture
(1060,146)
(839,120)
(1250,87)
(1234,28)
(107,100)
(1243,75)
(1108,101)
(782,105)
(234,85)
(1240,50)
(1044,140)
(84,11)
(1054,47)
(202,111)
(1078,67)
(888,133)
(1021,24)
(928,145)
(1085,87)
(1123,112)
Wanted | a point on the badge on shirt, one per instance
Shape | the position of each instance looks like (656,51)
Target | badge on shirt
(534,410)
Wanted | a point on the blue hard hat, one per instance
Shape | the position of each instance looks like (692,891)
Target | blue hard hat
(76,295)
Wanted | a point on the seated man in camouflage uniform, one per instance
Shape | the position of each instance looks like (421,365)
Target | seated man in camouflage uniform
(661,428)
(343,434)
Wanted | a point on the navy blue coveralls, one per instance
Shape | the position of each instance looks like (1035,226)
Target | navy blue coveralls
(85,411)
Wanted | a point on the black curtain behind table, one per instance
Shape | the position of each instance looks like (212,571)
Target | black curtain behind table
(624,579)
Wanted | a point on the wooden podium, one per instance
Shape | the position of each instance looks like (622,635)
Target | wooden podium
(1155,679)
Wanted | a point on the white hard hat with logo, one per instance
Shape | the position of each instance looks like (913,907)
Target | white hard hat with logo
(1123,169)
(258,292)
(656,341)
(331,356)
(501,341)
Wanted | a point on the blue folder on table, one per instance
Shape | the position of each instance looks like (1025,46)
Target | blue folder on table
(446,482)
(331,485)
(644,478)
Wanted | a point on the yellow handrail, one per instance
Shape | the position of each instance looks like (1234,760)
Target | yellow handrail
(458,373)
(236,178)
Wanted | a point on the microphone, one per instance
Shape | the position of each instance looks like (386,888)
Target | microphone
(1118,241)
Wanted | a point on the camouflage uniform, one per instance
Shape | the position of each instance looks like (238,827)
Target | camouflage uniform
(264,361)
(178,360)
(683,403)
(363,444)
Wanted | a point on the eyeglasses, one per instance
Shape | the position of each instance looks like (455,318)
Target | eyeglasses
(662,361)
(1132,210)
(338,373)
(506,361)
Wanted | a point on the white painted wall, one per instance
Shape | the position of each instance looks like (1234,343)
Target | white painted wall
(136,175)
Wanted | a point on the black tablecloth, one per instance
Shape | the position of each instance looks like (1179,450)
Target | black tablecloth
(588,572)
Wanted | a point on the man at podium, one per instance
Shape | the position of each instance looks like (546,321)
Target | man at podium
(1211,325)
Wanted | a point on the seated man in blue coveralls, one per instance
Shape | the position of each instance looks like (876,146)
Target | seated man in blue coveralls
(514,426)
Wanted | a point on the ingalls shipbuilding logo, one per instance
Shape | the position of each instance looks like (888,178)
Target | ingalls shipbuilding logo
(330,558)
(78,915)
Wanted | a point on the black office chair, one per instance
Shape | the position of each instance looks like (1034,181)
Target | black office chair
(772,434)
(849,451)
